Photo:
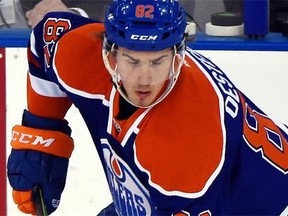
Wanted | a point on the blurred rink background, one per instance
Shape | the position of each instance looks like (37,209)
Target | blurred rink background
(262,76)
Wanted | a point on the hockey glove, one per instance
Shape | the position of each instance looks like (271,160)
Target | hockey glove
(38,158)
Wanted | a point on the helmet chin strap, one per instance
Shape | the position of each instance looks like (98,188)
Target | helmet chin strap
(174,74)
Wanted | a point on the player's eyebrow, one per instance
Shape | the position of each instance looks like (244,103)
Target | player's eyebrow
(153,60)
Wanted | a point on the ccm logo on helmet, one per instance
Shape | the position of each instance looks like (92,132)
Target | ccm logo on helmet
(143,37)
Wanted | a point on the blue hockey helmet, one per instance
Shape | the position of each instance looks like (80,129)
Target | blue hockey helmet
(145,25)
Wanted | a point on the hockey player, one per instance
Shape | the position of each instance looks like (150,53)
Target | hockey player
(173,133)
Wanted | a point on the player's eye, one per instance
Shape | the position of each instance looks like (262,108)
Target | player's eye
(155,63)
(133,62)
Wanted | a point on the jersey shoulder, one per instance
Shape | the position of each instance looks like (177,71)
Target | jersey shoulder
(47,33)
(181,133)
(77,60)
(53,26)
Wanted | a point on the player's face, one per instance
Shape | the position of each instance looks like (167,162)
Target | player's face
(143,74)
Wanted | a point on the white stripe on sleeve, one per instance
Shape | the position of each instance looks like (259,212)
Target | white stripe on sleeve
(32,44)
(46,88)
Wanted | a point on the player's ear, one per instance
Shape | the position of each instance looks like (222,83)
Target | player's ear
(109,52)
(177,62)
(179,55)
(111,57)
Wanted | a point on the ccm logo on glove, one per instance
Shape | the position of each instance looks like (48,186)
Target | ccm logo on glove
(48,141)
(31,139)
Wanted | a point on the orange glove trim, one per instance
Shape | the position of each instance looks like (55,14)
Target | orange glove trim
(48,141)
(23,199)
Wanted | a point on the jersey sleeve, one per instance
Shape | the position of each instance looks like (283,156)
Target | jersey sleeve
(44,96)
(264,136)
(261,164)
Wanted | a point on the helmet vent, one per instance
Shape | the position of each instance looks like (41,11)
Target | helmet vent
(121,22)
(165,35)
(167,23)
(140,24)
(121,34)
